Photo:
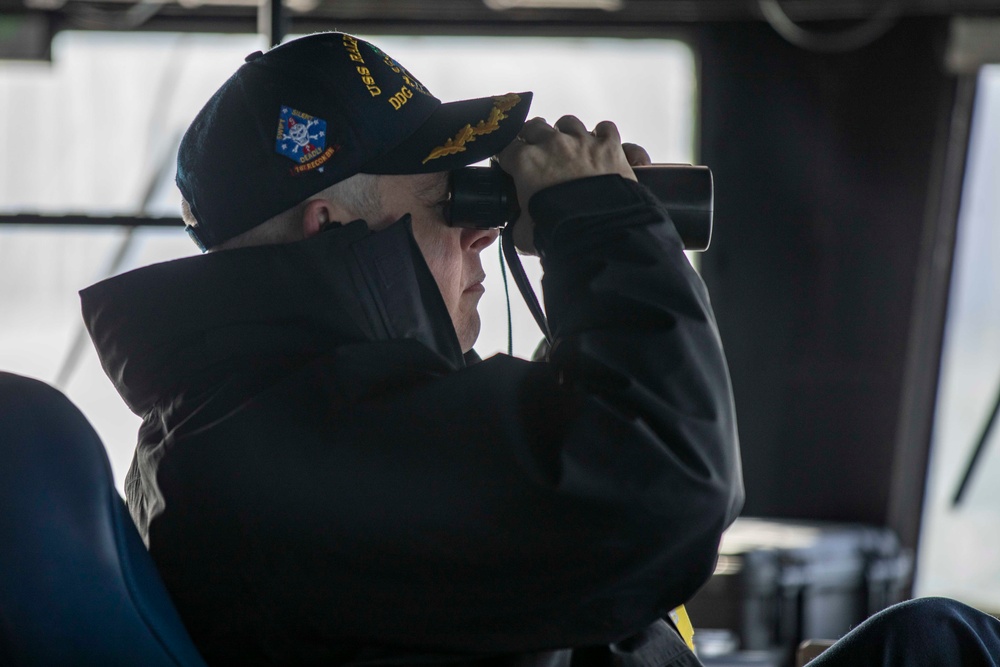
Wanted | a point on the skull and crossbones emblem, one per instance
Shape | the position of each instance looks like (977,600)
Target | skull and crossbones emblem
(299,134)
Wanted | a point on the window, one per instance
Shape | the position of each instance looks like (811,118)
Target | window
(959,553)
(97,130)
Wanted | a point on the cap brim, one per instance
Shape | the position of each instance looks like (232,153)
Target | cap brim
(455,135)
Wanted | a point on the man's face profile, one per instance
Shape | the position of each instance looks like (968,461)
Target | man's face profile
(451,253)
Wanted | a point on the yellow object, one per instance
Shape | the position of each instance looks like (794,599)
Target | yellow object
(501,105)
(683,624)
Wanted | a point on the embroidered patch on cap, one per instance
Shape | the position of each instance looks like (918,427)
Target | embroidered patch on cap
(302,139)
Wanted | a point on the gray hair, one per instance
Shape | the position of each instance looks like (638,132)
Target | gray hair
(359,194)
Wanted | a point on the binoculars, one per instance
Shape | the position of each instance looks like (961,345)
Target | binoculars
(485,198)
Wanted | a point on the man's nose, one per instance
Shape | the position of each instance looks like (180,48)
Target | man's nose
(478,240)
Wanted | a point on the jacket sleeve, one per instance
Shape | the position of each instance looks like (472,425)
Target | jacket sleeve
(509,506)
(633,331)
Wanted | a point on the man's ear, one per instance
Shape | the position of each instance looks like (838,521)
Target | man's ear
(320,214)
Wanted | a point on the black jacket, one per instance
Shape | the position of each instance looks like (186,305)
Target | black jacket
(321,478)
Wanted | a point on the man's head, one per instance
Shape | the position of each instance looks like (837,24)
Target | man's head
(329,129)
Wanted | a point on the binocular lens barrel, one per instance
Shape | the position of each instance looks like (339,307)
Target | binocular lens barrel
(485,198)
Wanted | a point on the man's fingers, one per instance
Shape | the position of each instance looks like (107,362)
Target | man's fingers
(636,155)
(607,130)
(571,125)
(534,131)
(547,155)
(513,155)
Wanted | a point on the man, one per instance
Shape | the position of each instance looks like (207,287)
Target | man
(326,474)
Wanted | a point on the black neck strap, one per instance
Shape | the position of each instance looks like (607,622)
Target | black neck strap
(521,280)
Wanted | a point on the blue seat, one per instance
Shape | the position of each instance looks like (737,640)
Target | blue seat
(77,586)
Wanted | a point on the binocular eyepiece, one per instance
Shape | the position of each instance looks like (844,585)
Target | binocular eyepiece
(485,198)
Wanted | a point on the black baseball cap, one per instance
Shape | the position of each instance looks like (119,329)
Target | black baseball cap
(317,110)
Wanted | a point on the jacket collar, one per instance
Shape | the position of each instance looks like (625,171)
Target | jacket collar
(158,327)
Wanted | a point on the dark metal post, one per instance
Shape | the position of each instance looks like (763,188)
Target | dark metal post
(271,21)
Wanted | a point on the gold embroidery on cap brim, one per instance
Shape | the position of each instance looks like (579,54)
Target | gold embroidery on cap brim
(501,105)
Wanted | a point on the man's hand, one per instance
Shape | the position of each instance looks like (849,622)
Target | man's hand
(544,155)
